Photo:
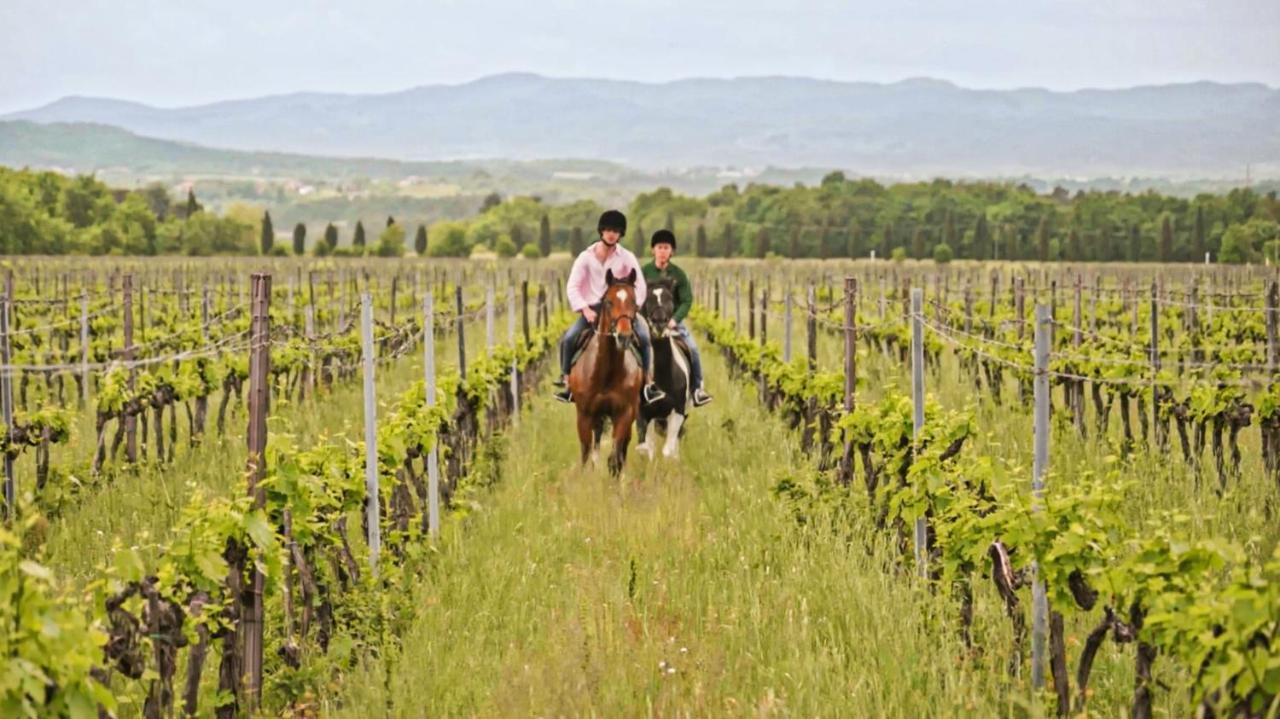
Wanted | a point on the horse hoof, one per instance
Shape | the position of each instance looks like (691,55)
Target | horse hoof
(646,451)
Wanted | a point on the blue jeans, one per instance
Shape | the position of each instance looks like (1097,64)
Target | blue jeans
(570,339)
(695,357)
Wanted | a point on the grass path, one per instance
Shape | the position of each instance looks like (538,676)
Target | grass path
(683,589)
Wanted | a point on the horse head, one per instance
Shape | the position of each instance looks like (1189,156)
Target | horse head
(660,305)
(618,309)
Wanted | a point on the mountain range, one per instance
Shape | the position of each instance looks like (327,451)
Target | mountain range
(912,128)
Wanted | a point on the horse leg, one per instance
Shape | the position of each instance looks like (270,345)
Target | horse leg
(645,446)
(672,448)
(597,433)
(584,435)
(621,438)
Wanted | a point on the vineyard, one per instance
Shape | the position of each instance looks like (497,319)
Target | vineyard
(302,488)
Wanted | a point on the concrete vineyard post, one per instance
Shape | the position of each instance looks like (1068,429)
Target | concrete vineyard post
(372,507)
(1041,428)
(429,385)
(259,408)
(917,414)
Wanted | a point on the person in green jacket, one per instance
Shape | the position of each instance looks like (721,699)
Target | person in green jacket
(661,268)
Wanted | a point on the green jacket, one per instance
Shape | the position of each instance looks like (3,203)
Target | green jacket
(684,290)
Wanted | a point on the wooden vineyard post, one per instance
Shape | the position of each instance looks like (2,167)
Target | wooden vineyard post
(1273,316)
(737,305)
(259,408)
(204,314)
(1077,339)
(751,309)
(515,359)
(130,419)
(429,375)
(84,348)
(811,330)
(6,403)
(717,298)
(1019,306)
(309,330)
(462,339)
(991,306)
(488,319)
(850,369)
(1155,367)
(786,327)
(917,414)
(1039,602)
(764,316)
(395,285)
(524,309)
(372,507)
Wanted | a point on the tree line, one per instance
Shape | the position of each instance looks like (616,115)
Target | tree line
(49,213)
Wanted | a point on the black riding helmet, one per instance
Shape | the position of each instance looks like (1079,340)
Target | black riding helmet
(612,220)
(662,236)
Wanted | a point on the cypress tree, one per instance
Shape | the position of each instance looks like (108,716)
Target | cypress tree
(728,241)
(917,243)
(1042,238)
(358,240)
(1135,243)
(390,220)
(854,245)
(700,242)
(886,242)
(794,252)
(331,236)
(517,236)
(981,238)
(192,206)
(1166,239)
(299,239)
(762,242)
(671,222)
(641,240)
(420,241)
(544,235)
(575,242)
(1074,251)
(268,233)
(1198,245)
(949,235)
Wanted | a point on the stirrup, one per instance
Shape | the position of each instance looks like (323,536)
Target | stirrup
(652,393)
(700,397)
(564,395)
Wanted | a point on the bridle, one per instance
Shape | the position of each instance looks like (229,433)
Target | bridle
(606,308)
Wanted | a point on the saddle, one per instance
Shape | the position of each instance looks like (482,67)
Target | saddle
(584,338)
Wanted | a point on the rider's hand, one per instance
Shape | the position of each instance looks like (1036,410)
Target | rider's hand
(671,324)
(589,315)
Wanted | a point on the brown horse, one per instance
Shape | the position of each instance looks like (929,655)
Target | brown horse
(606,380)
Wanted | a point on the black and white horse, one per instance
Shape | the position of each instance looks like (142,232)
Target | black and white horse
(670,372)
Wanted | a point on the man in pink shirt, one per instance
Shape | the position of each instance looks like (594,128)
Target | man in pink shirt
(587,285)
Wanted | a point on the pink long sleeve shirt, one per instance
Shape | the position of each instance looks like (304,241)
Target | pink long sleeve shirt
(587,278)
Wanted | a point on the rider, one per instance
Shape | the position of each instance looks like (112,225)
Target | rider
(661,268)
(587,285)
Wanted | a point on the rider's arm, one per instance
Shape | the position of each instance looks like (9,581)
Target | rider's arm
(573,288)
(642,287)
(684,292)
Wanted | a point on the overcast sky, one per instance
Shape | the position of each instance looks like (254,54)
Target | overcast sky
(179,52)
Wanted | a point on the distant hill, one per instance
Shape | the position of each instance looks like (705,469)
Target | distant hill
(89,147)
(919,127)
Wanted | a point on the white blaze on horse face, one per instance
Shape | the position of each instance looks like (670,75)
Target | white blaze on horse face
(622,295)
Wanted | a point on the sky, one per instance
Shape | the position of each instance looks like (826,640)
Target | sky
(181,52)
